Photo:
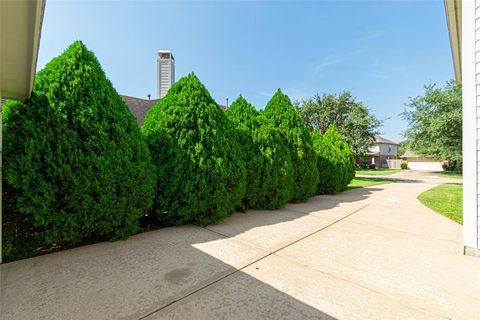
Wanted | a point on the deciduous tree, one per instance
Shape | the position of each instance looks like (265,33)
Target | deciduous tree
(353,119)
(435,122)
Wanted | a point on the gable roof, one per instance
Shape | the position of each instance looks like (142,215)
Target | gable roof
(380,139)
(138,107)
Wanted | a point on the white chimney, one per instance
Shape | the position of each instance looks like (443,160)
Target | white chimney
(165,72)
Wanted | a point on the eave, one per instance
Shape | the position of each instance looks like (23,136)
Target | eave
(20,27)
(453,10)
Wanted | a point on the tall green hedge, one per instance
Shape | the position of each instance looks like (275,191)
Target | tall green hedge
(75,164)
(268,164)
(347,158)
(330,170)
(197,154)
(282,115)
(335,161)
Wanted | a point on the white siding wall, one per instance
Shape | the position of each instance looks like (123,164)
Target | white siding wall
(471,124)
(477,123)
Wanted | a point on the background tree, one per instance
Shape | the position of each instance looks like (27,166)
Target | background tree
(197,154)
(402,147)
(435,123)
(75,163)
(282,115)
(267,158)
(353,119)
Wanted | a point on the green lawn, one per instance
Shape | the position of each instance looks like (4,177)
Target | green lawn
(377,172)
(358,182)
(445,199)
(452,174)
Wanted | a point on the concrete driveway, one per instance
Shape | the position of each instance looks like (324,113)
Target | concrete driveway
(372,253)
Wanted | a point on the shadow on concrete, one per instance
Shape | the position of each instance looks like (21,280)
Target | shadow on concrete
(150,276)
(175,273)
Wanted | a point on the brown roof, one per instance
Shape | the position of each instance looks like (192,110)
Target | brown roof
(138,107)
(379,139)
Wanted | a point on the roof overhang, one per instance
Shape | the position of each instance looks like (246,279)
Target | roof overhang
(453,10)
(20,27)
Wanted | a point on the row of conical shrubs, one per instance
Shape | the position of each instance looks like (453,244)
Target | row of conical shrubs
(77,167)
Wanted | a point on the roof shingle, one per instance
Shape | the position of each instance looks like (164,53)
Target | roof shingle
(138,107)
(379,139)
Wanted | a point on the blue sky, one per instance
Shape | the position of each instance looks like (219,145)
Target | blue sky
(384,52)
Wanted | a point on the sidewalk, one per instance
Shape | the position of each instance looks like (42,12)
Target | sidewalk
(370,253)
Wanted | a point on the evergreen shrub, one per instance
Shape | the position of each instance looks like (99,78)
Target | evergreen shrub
(335,161)
(282,115)
(328,163)
(75,164)
(268,165)
(197,154)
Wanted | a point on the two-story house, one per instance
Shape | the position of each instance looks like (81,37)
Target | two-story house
(380,152)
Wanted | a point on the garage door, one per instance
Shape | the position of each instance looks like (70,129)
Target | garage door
(427,166)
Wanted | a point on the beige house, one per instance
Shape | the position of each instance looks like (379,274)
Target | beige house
(380,152)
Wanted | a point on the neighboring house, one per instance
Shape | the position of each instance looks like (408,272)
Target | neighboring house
(139,107)
(463,19)
(417,162)
(380,152)
(20,27)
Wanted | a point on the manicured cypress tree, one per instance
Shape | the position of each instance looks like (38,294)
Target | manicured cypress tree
(268,164)
(330,170)
(282,115)
(347,159)
(335,161)
(75,163)
(196,150)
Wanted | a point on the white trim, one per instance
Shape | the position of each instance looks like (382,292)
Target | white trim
(470,174)
(453,10)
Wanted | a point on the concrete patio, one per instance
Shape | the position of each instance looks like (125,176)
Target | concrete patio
(371,253)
